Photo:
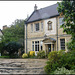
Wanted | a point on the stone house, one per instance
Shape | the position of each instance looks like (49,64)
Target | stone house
(43,32)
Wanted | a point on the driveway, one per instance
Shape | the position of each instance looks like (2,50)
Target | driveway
(22,66)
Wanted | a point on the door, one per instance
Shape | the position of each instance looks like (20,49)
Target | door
(49,47)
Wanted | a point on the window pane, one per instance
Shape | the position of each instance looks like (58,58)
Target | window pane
(36,45)
(33,46)
(61,21)
(31,27)
(62,44)
(37,27)
(42,26)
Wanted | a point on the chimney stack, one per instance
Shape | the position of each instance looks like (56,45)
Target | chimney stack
(35,7)
(4,27)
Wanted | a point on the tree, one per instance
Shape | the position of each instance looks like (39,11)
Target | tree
(15,32)
(67,8)
(12,48)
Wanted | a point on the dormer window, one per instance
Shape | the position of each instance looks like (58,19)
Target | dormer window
(49,25)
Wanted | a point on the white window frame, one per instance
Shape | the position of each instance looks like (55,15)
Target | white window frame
(37,46)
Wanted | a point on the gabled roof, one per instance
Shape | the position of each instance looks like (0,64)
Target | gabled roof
(43,13)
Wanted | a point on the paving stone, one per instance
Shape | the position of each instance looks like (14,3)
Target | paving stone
(22,66)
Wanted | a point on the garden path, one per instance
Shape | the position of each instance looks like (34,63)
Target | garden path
(22,66)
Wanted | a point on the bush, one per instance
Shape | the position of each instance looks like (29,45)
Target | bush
(41,54)
(60,59)
(63,70)
(52,63)
(24,55)
(32,53)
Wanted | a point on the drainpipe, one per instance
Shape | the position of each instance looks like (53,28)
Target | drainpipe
(57,31)
(26,35)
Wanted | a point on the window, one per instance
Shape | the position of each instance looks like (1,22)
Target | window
(62,44)
(36,45)
(37,27)
(41,43)
(49,25)
(41,26)
(32,45)
(61,21)
(31,27)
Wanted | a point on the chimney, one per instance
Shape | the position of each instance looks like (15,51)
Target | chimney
(4,27)
(35,7)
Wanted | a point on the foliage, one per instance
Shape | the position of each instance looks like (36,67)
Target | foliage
(41,54)
(1,47)
(4,56)
(24,55)
(57,59)
(63,70)
(71,45)
(32,53)
(68,10)
(12,48)
(15,32)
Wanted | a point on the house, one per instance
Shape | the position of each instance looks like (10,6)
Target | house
(43,32)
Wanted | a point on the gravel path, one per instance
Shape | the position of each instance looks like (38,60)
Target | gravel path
(22,66)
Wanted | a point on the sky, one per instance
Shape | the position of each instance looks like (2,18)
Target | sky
(12,10)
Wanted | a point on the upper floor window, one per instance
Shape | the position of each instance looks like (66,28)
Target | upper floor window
(31,27)
(41,26)
(61,20)
(62,44)
(49,25)
(37,27)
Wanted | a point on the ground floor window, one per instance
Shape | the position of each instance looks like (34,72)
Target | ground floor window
(36,45)
(32,45)
(62,44)
(41,45)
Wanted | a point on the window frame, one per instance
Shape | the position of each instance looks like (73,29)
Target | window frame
(62,46)
(61,21)
(31,27)
(32,45)
(37,29)
(49,24)
(36,45)
(41,26)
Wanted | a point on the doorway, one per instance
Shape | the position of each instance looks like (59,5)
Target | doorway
(49,47)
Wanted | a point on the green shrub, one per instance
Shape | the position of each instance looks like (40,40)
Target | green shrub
(41,54)
(24,55)
(63,70)
(60,59)
(52,63)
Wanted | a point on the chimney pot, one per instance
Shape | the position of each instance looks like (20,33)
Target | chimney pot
(35,7)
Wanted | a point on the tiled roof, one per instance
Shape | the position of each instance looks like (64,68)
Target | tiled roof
(44,13)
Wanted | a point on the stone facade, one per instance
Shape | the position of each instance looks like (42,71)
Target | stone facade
(40,35)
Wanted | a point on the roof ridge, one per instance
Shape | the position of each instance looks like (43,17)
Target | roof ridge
(47,6)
